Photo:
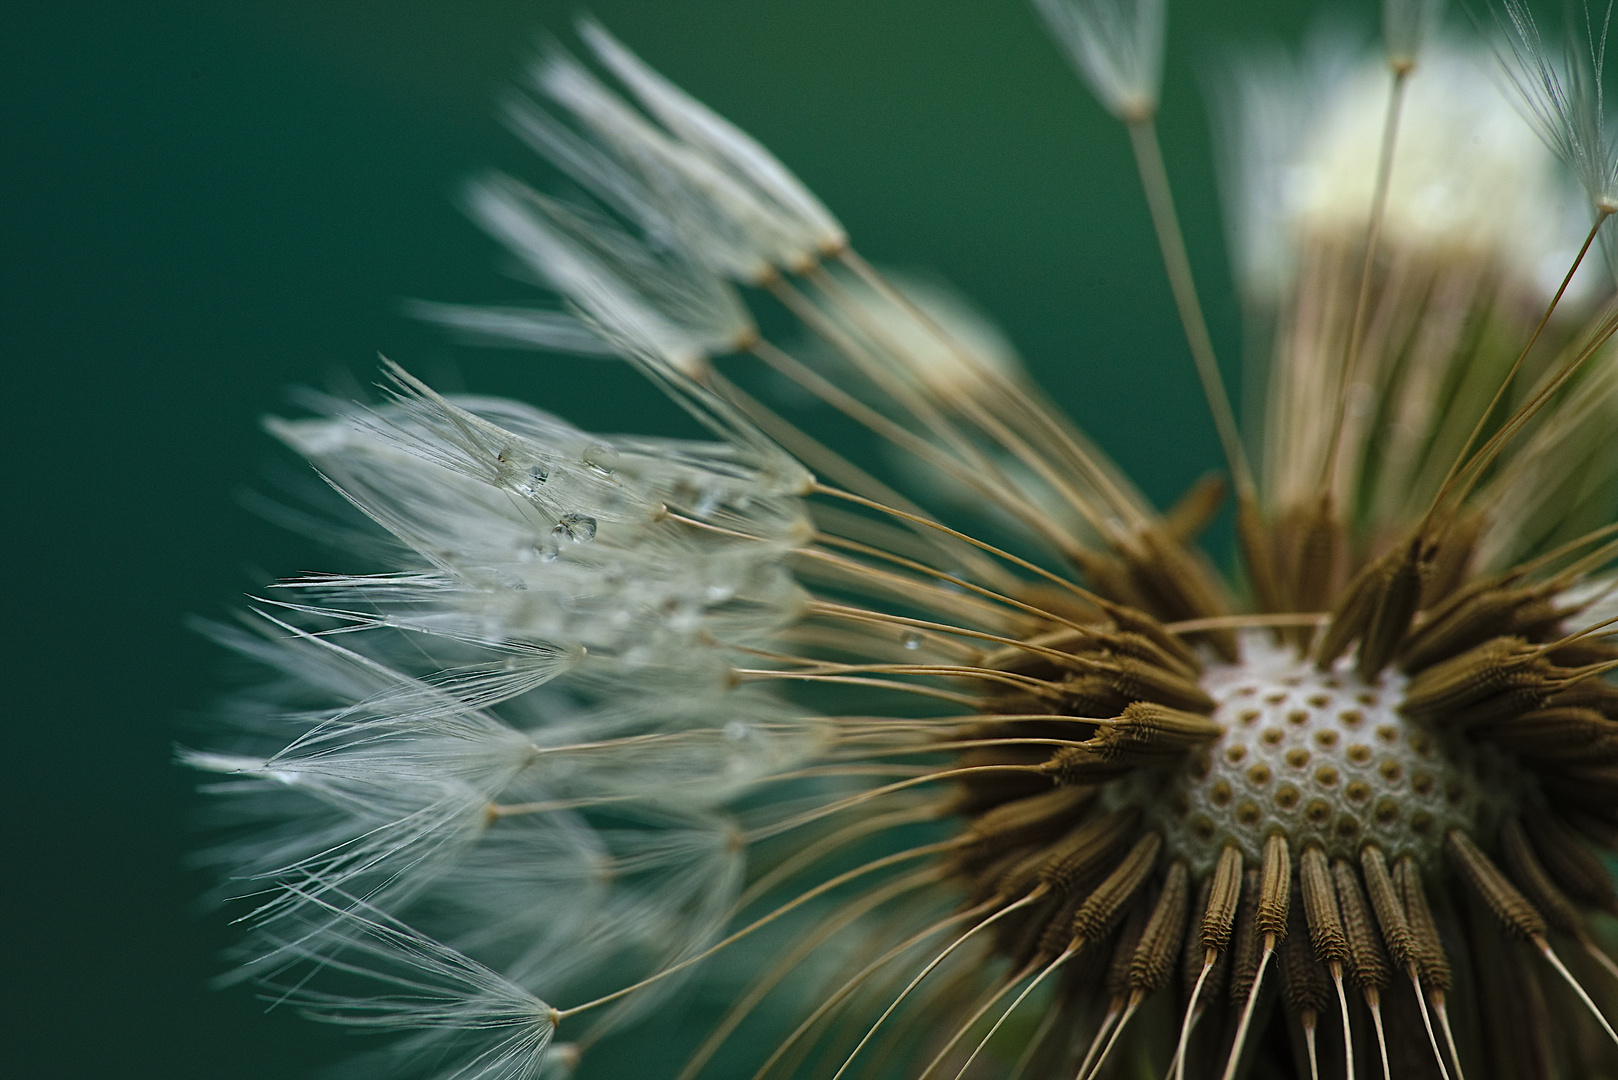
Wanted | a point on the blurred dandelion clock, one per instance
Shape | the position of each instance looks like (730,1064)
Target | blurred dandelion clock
(976,766)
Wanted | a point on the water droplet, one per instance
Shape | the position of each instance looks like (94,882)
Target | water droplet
(736,730)
(601,457)
(912,640)
(527,482)
(546,549)
(717,594)
(579,528)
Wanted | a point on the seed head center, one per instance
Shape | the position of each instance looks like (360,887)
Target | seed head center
(1324,757)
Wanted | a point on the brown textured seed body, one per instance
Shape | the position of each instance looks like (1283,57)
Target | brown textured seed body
(1524,868)
(1322,915)
(1368,958)
(1508,905)
(1153,959)
(1304,985)
(1107,901)
(1431,962)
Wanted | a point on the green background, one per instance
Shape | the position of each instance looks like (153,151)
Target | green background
(206,203)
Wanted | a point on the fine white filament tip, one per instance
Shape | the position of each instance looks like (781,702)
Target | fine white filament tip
(1381,1036)
(1348,1031)
(1247,1009)
(1427,1018)
(1134,1003)
(1436,999)
(1191,1014)
(1114,1011)
(1578,988)
(1314,1058)
(1018,1000)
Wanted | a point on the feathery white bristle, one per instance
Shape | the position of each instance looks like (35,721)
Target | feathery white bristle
(1116,46)
(669,183)
(669,304)
(1563,98)
(472,1022)
(531,328)
(705,129)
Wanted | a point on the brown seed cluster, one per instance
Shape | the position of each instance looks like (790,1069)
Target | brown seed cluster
(1348,803)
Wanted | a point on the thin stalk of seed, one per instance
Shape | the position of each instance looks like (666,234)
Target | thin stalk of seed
(790,961)
(1123,1022)
(1035,1041)
(1461,461)
(1126,997)
(1038,571)
(803,898)
(997,494)
(1433,964)
(1396,932)
(1270,921)
(1304,989)
(1523,864)
(1224,896)
(1605,327)
(914,982)
(1018,1000)
(834,292)
(899,583)
(1324,921)
(1515,912)
(983,1008)
(877,281)
(1362,300)
(1171,242)
(853,983)
(974,459)
(822,459)
(1099,1041)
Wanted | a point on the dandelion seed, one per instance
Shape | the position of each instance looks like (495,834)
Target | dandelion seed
(613,714)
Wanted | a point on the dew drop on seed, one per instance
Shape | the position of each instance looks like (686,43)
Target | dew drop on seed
(601,457)
(531,480)
(911,641)
(579,528)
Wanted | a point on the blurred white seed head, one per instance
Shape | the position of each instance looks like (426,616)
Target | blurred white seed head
(1116,46)
(1470,179)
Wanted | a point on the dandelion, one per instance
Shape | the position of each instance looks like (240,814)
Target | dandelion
(610,715)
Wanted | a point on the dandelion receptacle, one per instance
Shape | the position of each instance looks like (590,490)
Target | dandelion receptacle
(975,764)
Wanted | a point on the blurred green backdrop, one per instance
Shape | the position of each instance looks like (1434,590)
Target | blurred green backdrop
(206,203)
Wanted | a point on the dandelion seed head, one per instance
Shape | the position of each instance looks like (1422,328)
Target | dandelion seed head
(914,763)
